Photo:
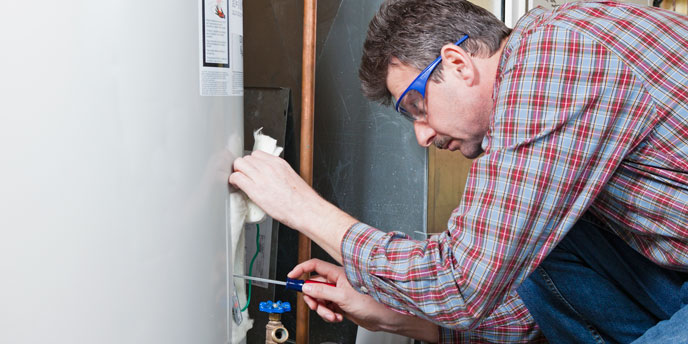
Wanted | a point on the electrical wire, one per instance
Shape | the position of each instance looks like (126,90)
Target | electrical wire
(250,267)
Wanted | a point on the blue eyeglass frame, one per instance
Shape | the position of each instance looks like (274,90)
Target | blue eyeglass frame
(421,81)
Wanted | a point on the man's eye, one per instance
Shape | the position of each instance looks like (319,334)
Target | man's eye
(419,106)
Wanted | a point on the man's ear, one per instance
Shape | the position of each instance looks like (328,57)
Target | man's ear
(458,61)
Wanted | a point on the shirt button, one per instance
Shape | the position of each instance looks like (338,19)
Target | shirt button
(364,290)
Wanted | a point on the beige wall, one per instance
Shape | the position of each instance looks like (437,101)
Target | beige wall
(680,6)
(447,174)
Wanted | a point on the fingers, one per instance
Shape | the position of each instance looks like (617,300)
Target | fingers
(326,292)
(257,161)
(318,278)
(259,167)
(323,310)
(328,315)
(262,155)
(310,302)
(321,291)
(330,271)
(239,180)
(303,268)
(250,169)
(248,165)
(265,161)
(240,176)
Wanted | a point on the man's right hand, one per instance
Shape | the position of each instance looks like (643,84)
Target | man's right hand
(334,303)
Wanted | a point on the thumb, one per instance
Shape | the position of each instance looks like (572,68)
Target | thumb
(324,292)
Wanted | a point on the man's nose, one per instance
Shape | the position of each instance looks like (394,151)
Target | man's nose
(424,134)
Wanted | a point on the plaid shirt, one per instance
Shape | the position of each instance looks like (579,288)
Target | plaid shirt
(591,114)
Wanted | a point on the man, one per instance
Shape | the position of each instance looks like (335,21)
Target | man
(581,114)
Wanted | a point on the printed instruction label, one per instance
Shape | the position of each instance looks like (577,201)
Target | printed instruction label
(221,48)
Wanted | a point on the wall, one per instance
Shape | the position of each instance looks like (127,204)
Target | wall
(113,222)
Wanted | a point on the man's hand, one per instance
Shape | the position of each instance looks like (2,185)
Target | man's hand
(276,188)
(273,185)
(334,303)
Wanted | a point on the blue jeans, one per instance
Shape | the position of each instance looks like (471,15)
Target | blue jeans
(594,288)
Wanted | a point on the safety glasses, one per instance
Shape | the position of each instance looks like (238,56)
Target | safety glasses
(411,104)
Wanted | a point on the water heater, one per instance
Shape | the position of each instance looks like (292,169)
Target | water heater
(119,121)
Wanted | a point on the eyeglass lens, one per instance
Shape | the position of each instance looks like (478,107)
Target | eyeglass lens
(412,106)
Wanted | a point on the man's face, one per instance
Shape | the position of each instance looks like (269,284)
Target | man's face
(458,114)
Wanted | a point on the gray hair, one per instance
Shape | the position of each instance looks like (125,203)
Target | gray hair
(414,31)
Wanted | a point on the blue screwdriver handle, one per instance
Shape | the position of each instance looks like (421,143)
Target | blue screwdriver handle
(297,284)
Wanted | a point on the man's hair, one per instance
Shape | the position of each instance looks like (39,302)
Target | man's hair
(414,31)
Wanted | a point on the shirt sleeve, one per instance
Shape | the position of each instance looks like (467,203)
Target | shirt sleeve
(508,323)
(567,111)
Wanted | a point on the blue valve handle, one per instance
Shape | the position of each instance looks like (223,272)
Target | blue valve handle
(297,284)
(276,307)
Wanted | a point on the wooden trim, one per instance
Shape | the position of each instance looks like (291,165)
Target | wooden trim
(679,6)
(447,174)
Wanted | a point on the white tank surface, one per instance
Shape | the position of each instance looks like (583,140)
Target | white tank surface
(113,196)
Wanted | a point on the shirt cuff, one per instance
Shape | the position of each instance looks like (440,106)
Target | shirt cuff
(357,247)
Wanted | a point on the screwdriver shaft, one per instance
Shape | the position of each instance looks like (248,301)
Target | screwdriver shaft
(258,279)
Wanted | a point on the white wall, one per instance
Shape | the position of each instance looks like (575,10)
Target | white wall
(113,172)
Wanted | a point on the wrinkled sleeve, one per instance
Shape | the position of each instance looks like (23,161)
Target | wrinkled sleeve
(567,112)
(508,323)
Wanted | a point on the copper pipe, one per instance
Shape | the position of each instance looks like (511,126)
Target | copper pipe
(306,161)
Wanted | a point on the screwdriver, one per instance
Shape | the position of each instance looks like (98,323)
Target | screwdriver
(290,284)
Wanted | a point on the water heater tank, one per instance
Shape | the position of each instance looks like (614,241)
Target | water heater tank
(119,121)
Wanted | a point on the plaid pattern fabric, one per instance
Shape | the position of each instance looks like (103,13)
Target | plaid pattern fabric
(591,114)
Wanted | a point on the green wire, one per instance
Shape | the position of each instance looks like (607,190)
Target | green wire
(250,267)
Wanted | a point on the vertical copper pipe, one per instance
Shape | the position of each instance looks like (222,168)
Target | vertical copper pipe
(306,162)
